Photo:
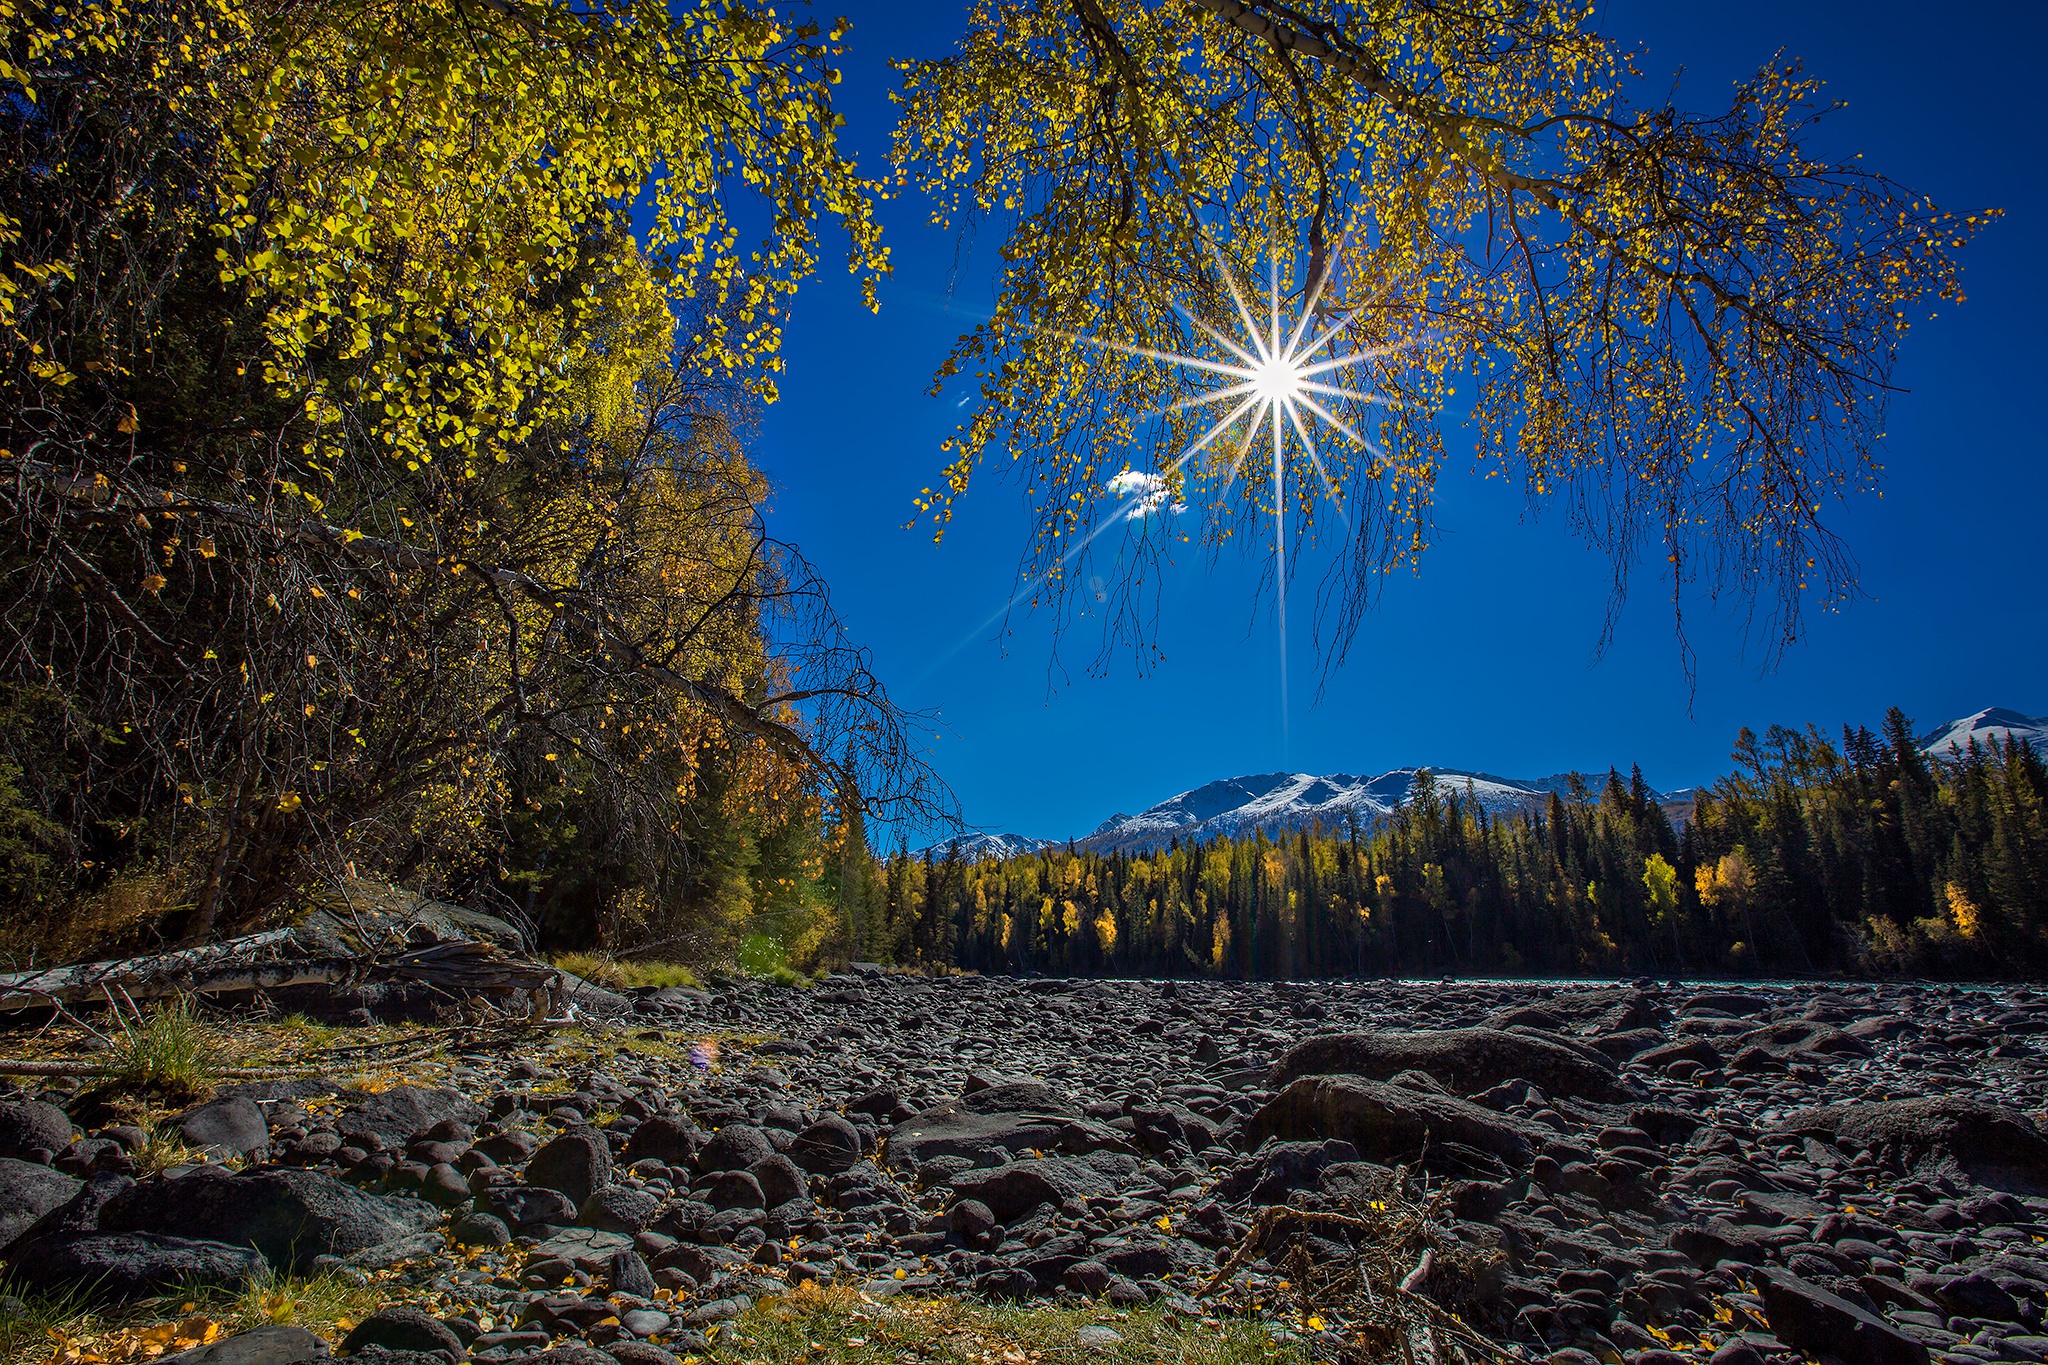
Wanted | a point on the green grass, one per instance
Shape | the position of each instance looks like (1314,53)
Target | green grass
(169,1053)
(836,1327)
(616,975)
(762,956)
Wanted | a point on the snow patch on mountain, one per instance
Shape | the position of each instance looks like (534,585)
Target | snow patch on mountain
(1281,802)
(1991,726)
(974,847)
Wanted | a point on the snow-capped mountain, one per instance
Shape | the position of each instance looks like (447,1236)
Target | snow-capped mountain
(1990,726)
(1281,802)
(979,845)
(1278,802)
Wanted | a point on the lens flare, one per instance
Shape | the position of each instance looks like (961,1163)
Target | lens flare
(1276,391)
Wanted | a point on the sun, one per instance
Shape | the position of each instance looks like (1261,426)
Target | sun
(1279,382)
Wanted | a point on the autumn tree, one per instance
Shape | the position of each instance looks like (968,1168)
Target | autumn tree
(371,483)
(1678,327)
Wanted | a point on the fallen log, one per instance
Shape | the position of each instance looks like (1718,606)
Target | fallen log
(270,961)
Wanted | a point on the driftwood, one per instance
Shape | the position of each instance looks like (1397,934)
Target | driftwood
(274,960)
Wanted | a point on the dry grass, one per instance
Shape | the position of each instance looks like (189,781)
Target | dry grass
(63,1331)
(838,1326)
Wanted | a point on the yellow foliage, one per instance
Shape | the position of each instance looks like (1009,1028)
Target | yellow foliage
(1962,910)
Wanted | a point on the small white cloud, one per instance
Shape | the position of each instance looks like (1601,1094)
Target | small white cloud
(1145,494)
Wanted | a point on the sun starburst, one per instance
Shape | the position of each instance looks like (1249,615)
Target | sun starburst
(1277,384)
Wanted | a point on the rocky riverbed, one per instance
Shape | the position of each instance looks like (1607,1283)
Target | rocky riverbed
(1643,1173)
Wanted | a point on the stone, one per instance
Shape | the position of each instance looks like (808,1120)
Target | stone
(290,1216)
(1809,1318)
(81,1212)
(1794,1039)
(572,1354)
(1975,1295)
(399,1328)
(120,1266)
(509,1148)
(1736,1351)
(480,1230)
(973,1222)
(827,1147)
(642,1352)
(781,1179)
(27,1192)
(970,1128)
(585,1249)
(619,1208)
(1388,1123)
(32,1126)
(398,1115)
(665,1138)
(1280,1167)
(1465,1060)
(272,1343)
(578,1163)
(524,1206)
(1989,1144)
(628,1274)
(1011,1191)
(733,1190)
(234,1124)
(734,1147)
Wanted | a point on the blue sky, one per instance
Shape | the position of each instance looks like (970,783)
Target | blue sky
(1485,658)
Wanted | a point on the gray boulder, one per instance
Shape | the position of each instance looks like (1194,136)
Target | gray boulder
(402,1113)
(1793,1039)
(523,1206)
(1810,1319)
(781,1180)
(290,1216)
(1009,1192)
(31,1126)
(79,1213)
(734,1147)
(578,1163)
(827,1147)
(1991,1145)
(1465,1060)
(619,1208)
(1387,1123)
(664,1138)
(234,1124)
(996,1122)
(274,1343)
(116,1267)
(1282,1167)
(400,1328)
(27,1192)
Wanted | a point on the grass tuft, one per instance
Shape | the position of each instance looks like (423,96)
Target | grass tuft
(616,975)
(169,1053)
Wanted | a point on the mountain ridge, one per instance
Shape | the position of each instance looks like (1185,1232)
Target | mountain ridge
(1281,802)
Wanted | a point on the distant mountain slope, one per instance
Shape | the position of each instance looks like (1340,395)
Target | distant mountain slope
(1282,802)
(1989,726)
(977,846)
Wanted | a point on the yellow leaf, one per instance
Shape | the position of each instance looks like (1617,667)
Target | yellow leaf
(154,583)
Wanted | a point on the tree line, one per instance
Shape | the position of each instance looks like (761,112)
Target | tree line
(1812,856)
